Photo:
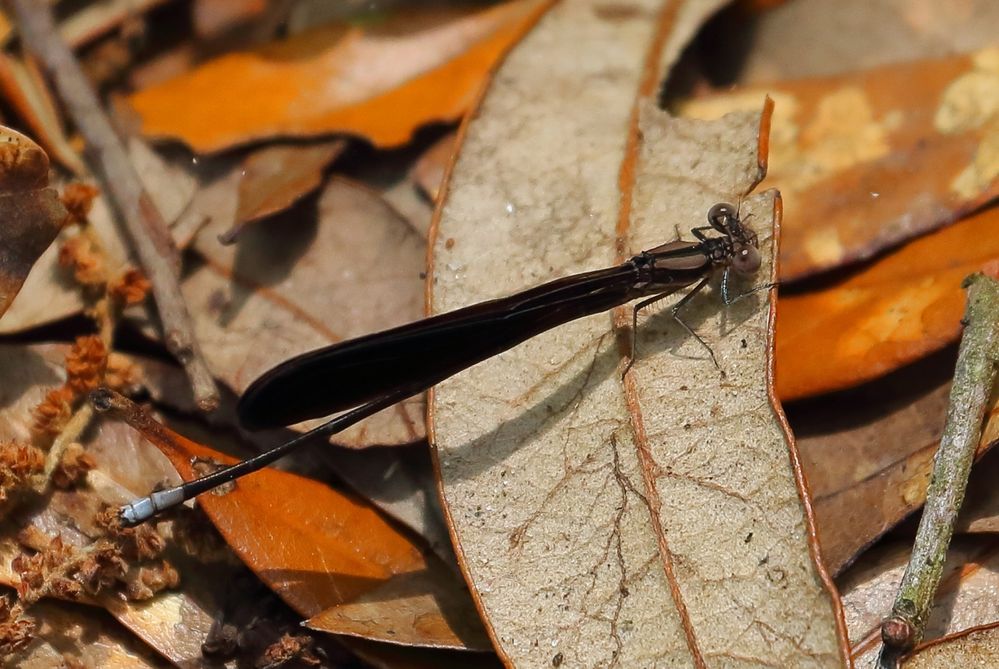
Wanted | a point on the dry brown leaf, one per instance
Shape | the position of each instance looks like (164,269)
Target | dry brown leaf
(980,509)
(31,212)
(425,610)
(867,160)
(381,82)
(68,633)
(293,285)
(275,177)
(23,87)
(406,199)
(212,18)
(867,456)
(813,38)
(889,313)
(655,523)
(977,647)
(385,656)
(965,599)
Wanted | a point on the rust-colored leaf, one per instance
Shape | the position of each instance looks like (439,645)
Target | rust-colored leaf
(887,314)
(654,520)
(867,160)
(380,82)
(32,214)
(318,548)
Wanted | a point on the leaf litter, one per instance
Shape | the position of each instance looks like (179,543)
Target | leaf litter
(222,210)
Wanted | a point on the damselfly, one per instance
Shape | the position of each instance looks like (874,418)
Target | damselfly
(365,375)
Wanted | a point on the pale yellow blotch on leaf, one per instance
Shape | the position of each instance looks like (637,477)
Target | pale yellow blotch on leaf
(833,139)
(824,246)
(977,176)
(972,100)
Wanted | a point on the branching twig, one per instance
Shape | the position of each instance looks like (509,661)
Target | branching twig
(143,223)
(969,396)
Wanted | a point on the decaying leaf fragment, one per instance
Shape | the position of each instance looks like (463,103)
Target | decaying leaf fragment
(31,212)
(651,522)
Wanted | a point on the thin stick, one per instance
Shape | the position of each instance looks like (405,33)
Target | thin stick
(142,222)
(973,380)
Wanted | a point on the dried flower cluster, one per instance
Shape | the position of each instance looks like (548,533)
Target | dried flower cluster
(129,558)
(85,364)
(129,288)
(16,631)
(121,373)
(18,462)
(48,572)
(51,415)
(78,198)
(72,467)
(81,254)
(290,648)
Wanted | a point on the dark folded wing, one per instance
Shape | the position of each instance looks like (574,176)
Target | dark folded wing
(420,354)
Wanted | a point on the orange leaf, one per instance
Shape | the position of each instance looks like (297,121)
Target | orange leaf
(318,548)
(380,82)
(889,314)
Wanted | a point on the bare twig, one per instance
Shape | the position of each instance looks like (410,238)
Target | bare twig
(969,396)
(142,222)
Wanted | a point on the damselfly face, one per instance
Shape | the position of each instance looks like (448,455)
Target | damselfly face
(743,255)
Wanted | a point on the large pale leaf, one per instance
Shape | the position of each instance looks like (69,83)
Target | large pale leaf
(651,522)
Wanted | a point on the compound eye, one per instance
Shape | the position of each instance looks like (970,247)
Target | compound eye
(746,260)
(720,214)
